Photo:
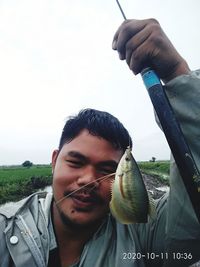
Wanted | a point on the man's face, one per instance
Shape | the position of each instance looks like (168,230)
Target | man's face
(79,164)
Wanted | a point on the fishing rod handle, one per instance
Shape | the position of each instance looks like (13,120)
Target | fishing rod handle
(175,138)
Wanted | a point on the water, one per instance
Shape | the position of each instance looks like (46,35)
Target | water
(164,188)
(47,189)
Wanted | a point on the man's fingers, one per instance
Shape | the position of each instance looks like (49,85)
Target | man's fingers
(124,32)
(135,42)
(128,30)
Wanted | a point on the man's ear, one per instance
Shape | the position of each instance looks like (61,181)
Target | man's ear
(54,158)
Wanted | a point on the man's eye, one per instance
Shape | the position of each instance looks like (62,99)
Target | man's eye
(106,171)
(74,163)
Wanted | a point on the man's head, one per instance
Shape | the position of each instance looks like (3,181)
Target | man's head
(91,146)
(98,123)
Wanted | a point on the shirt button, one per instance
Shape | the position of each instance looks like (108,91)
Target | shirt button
(14,240)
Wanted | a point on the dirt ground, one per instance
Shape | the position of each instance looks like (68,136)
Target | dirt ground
(154,186)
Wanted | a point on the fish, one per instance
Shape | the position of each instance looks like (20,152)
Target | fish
(130,200)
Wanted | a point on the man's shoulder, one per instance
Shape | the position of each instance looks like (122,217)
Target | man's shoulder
(11,209)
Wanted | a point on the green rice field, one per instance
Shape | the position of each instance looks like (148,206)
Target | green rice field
(17,182)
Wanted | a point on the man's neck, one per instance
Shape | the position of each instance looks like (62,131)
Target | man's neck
(70,239)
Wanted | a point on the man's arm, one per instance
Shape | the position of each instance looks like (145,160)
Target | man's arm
(142,43)
(183,229)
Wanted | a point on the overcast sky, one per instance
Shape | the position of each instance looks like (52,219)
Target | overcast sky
(56,58)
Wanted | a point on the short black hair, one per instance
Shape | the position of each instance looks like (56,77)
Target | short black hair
(98,123)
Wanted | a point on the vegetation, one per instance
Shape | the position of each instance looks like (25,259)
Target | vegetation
(27,164)
(153,159)
(17,182)
(160,169)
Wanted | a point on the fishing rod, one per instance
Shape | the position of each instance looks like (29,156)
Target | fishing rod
(173,133)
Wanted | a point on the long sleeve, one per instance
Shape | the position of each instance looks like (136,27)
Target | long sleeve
(182,226)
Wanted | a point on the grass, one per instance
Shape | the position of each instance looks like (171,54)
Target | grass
(17,182)
(160,169)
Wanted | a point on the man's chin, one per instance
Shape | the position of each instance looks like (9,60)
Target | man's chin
(80,221)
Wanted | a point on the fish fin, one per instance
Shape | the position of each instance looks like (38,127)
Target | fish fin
(152,207)
(121,185)
(111,187)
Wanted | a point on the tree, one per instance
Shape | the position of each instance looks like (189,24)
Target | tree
(27,164)
(153,159)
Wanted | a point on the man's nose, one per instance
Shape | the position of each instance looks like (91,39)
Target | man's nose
(88,177)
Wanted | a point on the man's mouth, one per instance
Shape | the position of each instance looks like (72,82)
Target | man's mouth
(82,201)
(85,200)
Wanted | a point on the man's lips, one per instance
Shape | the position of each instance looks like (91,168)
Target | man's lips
(85,199)
(82,201)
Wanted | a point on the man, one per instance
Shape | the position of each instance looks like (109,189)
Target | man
(74,227)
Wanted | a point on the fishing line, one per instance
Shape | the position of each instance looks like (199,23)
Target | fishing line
(101,179)
(121,10)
